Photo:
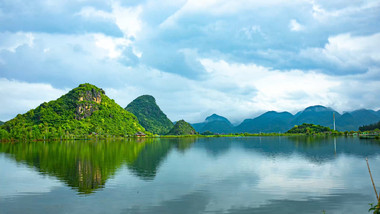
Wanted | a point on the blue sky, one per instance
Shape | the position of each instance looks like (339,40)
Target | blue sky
(234,58)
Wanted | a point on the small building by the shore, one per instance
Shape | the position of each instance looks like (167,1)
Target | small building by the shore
(140,134)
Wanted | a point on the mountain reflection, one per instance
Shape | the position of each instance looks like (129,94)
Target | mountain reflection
(315,149)
(86,166)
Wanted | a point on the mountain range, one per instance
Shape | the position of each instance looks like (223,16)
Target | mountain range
(86,110)
(273,121)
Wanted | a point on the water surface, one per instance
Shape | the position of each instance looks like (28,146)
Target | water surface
(205,175)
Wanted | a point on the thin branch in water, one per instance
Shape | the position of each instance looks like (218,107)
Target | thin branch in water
(373,183)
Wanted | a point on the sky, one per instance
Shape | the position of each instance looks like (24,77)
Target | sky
(237,59)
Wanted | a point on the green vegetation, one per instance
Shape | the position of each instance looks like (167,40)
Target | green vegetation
(371,127)
(82,166)
(311,129)
(375,208)
(84,111)
(207,133)
(182,128)
(150,115)
(86,165)
(371,131)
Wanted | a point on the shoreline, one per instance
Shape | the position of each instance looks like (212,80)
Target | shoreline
(92,138)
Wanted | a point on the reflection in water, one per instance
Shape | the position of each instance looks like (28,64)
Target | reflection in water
(86,166)
(205,175)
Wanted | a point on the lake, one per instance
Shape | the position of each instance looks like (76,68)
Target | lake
(190,175)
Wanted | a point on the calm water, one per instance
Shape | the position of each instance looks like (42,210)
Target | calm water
(216,175)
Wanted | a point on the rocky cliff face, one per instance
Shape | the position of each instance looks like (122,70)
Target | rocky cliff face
(88,102)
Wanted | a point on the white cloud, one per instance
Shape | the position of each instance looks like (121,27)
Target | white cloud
(90,12)
(276,90)
(219,7)
(126,18)
(213,57)
(11,41)
(252,32)
(224,8)
(325,11)
(235,90)
(114,46)
(260,173)
(347,51)
(295,26)
(31,180)
(17,97)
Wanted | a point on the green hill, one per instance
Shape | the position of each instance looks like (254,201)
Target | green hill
(307,128)
(82,111)
(1,123)
(182,128)
(150,115)
(370,127)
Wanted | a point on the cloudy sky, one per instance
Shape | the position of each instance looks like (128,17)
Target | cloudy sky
(234,58)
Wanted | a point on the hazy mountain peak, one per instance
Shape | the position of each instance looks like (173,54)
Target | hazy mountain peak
(215,117)
(318,108)
(275,113)
(363,110)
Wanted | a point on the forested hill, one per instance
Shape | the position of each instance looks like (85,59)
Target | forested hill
(182,128)
(306,128)
(370,127)
(82,111)
(150,115)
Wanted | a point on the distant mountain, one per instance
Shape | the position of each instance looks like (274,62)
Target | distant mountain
(270,121)
(150,115)
(353,120)
(1,123)
(214,123)
(182,128)
(346,122)
(215,117)
(82,111)
(318,115)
